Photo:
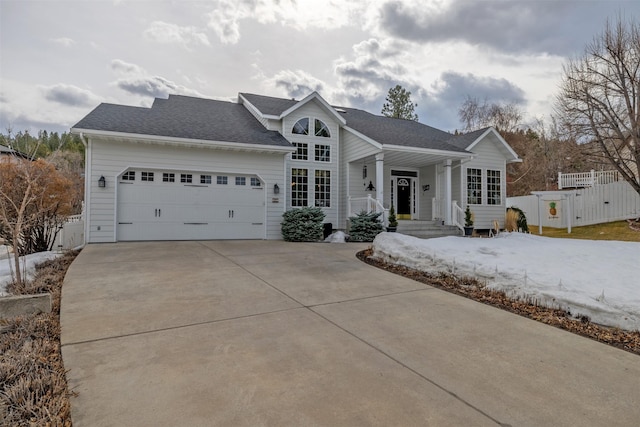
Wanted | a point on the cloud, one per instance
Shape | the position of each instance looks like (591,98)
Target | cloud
(163,32)
(69,95)
(64,41)
(296,84)
(556,27)
(137,81)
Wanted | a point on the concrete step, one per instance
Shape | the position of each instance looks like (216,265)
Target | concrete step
(427,229)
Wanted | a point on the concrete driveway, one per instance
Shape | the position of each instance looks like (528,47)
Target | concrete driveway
(264,333)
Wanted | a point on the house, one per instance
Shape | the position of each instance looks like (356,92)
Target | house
(192,168)
(9,154)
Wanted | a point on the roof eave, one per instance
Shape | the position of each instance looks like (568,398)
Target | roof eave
(447,153)
(506,145)
(204,143)
(307,99)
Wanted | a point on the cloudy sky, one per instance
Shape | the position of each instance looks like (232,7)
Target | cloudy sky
(59,59)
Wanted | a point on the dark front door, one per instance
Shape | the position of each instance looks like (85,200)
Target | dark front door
(404,198)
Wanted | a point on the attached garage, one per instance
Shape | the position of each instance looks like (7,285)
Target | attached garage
(189,205)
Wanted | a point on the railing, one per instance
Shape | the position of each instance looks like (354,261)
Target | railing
(457,215)
(437,206)
(367,204)
(74,218)
(586,179)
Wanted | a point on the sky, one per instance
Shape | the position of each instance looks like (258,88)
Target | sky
(59,59)
(597,279)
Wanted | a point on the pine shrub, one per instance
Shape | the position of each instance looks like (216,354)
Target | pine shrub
(521,222)
(302,225)
(365,226)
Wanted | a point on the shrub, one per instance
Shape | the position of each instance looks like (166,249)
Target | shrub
(393,220)
(516,220)
(365,227)
(302,225)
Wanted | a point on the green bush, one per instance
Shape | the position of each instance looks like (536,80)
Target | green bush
(302,225)
(365,227)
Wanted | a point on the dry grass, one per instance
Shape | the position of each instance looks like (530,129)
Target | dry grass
(33,389)
(619,230)
(511,220)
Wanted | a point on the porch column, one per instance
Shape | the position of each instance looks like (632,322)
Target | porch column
(447,192)
(380,177)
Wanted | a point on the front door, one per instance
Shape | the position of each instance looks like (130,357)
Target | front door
(403,208)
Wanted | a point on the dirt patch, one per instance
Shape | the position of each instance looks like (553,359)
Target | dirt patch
(33,381)
(471,288)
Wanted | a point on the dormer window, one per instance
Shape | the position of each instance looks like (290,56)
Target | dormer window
(301,127)
(320,128)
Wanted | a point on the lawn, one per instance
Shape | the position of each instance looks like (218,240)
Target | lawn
(619,230)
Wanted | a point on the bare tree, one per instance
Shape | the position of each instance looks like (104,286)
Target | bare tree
(475,115)
(599,98)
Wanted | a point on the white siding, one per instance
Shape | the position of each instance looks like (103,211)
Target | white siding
(488,156)
(109,158)
(313,110)
(427,177)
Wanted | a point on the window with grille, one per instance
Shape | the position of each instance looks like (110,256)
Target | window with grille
(494,187)
(146,176)
(321,129)
(302,151)
(299,187)
(474,186)
(323,188)
(301,127)
(221,180)
(241,180)
(168,177)
(205,179)
(186,178)
(322,153)
(129,176)
(255,182)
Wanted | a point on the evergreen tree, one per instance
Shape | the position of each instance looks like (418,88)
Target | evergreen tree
(398,104)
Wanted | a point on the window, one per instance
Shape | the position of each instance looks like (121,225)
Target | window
(186,178)
(221,180)
(474,186)
(168,177)
(129,176)
(241,180)
(323,153)
(205,179)
(299,187)
(301,127)
(494,190)
(302,151)
(323,189)
(321,129)
(146,176)
(255,182)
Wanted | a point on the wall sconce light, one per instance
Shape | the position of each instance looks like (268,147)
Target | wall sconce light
(370,187)
(276,189)
(364,172)
(102,183)
(426,187)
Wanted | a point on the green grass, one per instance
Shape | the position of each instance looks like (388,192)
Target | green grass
(609,231)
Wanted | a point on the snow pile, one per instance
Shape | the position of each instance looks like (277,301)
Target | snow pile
(337,237)
(29,262)
(599,279)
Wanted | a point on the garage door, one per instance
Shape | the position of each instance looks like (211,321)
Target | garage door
(169,205)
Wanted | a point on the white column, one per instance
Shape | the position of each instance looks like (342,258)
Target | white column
(447,193)
(380,177)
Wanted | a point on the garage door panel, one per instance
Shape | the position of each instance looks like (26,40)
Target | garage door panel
(176,211)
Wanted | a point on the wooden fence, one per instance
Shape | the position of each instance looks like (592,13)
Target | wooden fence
(615,201)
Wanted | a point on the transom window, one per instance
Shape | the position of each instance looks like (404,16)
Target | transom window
(474,186)
(255,182)
(320,128)
(205,179)
(323,153)
(221,180)
(168,177)
(241,180)
(129,176)
(323,189)
(146,176)
(186,178)
(302,151)
(494,190)
(299,187)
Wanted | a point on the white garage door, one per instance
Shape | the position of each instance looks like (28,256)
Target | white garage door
(169,205)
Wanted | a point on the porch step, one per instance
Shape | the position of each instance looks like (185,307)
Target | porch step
(427,229)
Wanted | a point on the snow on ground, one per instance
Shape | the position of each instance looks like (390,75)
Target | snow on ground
(7,266)
(599,279)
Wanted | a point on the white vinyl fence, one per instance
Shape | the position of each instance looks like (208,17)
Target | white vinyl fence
(615,201)
(72,233)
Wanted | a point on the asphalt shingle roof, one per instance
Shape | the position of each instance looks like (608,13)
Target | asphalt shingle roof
(269,105)
(184,117)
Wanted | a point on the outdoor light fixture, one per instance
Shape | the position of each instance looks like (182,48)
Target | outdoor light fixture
(370,187)
(364,172)
(102,183)
(276,189)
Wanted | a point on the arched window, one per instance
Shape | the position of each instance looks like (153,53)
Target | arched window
(321,129)
(301,127)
